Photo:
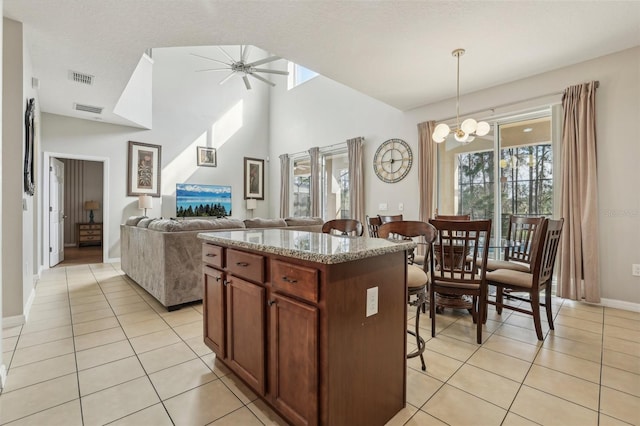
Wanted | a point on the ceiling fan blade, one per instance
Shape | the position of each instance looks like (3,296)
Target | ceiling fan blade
(244,53)
(224,80)
(246,82)
(264,61)
(226,54)
(211,59)
(213,69)
(270,71)
(256,76)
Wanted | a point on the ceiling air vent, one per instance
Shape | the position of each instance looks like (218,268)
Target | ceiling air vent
(82,78)
(88,108)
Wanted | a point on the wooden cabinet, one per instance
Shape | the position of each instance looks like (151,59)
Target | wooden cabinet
(89,234)
(297,334)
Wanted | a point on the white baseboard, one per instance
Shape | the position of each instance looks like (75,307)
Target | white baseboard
(620,304)
(3,375)
(113,260)
(27,306)
(8,322)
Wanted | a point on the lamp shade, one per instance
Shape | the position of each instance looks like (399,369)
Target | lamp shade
(91,205)
(252,204)
(145,202)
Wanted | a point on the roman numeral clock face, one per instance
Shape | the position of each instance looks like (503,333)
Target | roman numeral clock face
(392,160)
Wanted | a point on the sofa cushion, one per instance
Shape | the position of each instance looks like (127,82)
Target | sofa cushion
(144,222)
(303,221)
(264,223)
(133,220)
(171,225)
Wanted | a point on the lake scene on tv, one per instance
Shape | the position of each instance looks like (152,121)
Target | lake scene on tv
(193,200)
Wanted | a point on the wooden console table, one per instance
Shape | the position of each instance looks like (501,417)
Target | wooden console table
(89,234)
(315,324)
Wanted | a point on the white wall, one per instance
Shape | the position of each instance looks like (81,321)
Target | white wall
(3,367)
(189,110)
(322,112)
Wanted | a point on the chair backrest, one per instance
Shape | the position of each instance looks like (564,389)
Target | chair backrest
(373,223)
(390,218)
(343,227)
(408,229)
(547,249)
(460,251)
(453,217)
(522,237)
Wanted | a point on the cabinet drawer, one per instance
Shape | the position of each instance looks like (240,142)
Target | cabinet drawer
(89,238)
(85,227)
(212,255)
(84,232)
(295,280)
(245,265)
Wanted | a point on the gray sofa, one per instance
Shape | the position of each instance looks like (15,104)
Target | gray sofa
(164,256)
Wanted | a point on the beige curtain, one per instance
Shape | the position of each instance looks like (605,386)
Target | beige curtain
(427,169)
(284,185)
(314,184)
(356,179)
(579,271)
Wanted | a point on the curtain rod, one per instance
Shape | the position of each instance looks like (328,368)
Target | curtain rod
(322,148)
(492,109)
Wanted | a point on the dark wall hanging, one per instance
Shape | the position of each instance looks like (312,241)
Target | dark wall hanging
(29,184)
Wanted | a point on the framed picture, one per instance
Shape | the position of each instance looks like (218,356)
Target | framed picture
(143,171)
(253,178)
(207,156)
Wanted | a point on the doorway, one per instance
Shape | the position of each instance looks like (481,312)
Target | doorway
(81,235)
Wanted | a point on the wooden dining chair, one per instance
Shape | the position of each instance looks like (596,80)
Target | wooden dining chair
(373,223)
(520,238)
(343,227)
(417,276)
(545,248)
(390,218)
(453,216)
(458,266)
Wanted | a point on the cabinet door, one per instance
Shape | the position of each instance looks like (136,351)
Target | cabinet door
(293,364)
(246,331)
(214,311)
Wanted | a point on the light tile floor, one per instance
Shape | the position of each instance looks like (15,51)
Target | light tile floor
(97,349)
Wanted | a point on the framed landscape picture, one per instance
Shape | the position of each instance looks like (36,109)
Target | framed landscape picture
(207,156)
(253,178)
(143,170)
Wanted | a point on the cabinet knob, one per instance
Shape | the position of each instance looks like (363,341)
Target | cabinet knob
(225,282)
(271,302)
(217,278)
(289,280)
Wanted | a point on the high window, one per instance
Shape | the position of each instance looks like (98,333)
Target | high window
(298,75)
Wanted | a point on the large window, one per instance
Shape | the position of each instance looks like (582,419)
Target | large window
(472,182)
(334,185)
(298,75)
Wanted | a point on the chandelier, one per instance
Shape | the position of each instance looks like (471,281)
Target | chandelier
(470,128)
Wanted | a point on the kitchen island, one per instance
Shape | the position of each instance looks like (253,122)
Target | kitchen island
(314,324)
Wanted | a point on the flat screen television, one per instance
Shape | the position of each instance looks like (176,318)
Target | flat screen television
(194,200)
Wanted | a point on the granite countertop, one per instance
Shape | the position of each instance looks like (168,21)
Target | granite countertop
(312,246)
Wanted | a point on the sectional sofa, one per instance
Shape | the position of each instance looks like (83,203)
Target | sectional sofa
(164,255)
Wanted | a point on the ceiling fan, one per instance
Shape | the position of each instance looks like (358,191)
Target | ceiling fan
(241,66)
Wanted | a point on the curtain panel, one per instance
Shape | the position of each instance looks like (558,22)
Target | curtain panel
(427,168)
(579,268)
(284,185)
(314,185)
(356,178)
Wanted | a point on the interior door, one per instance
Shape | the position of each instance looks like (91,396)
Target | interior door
(56,212)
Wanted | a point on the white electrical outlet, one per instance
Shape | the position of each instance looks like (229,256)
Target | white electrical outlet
(372,301)
(401,206)
(635,269)
(382,207)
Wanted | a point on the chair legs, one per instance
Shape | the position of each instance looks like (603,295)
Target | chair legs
(420,303)
(547,305)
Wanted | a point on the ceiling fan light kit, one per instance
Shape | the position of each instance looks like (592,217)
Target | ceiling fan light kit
(470,128)
(242,67)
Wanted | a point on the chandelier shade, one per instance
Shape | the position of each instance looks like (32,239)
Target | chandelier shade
(470,128)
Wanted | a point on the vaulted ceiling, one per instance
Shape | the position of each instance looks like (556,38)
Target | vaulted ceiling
(398,52)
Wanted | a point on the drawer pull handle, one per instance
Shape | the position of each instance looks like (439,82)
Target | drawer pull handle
(217,278)
(211,255)
(243,264)
(226,283)
(289,280)
(271,302)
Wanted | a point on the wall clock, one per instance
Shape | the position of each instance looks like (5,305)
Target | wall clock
(392,160)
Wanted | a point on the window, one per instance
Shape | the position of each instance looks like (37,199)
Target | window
(334,185)
(298,75)
(520,182)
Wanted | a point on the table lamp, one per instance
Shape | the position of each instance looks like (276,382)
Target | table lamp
(145,202)
(91,206)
